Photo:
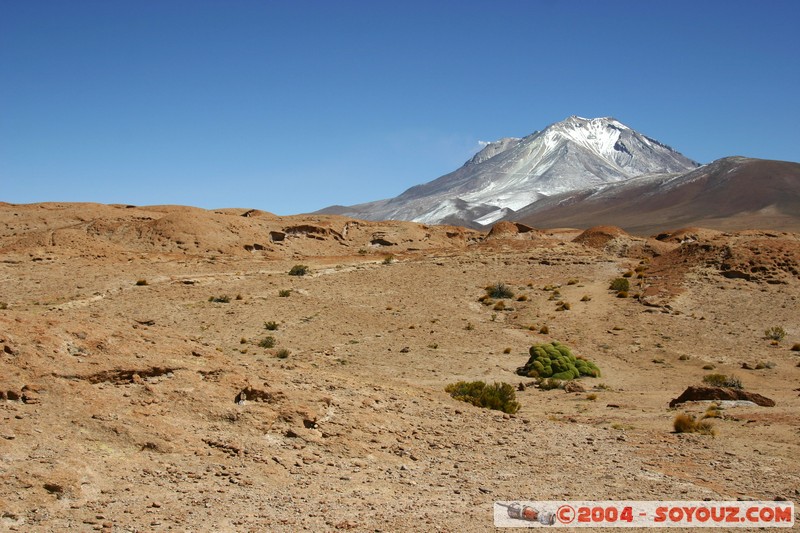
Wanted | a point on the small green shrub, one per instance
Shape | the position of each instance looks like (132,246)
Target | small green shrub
(620,284)
(507,350)
(271,325)
(219,299)
(141,282)
(267,342)
(469,326)
(498,396)
(284,293)
(239,297)
(499,290)
(544,330)
(563,306)
(298,270)
(283,353)
(775,333)
(556,360)
(628,274)
(499,306)
(686,423)
(721,380)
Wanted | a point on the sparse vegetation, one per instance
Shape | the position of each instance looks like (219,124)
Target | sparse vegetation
(283,293)
(298,270)
(686,423)
(573,281)
(709,367)
(556,360)
(683,357)
(141,282)
(795,346)
(713,411)
(499,306)
(499,290)
(239,297)
(507,350)
(498,396)
(3,305)
(628,274)
(563,306)
(522,298)
(550,384)
(622,294)
(775,333)
(271,325)
(219,299)
(469,326)
(544,330)
(388,260)
(267,342)
(586,298)
(721,380)
(591,397)
(620,285)
(283,353)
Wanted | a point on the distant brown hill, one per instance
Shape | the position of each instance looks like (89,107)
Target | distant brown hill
(733,193)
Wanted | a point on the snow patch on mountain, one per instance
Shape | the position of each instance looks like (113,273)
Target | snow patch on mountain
(512,173)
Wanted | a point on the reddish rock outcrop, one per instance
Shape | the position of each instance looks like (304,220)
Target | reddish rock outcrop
(699,393)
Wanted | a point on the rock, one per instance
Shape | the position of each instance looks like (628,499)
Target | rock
(574,386)
(700,393)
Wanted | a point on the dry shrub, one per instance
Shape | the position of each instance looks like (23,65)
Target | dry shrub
(686,423)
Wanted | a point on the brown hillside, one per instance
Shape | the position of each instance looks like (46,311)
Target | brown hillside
(159,371)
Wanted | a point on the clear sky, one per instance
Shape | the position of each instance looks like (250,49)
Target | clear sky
(292,106)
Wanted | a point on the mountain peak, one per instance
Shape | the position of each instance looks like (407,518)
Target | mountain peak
(512,173)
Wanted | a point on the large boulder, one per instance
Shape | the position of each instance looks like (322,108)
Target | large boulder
(701,393)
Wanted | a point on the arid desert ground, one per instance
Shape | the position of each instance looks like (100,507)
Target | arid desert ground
(133,402)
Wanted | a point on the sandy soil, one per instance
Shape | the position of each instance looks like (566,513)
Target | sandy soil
(124,411)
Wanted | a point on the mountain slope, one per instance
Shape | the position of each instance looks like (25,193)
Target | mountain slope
(510,174)
(732,193)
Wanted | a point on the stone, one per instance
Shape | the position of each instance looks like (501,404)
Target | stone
(700,393)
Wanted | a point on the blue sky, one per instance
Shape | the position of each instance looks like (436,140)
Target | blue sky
(291,106)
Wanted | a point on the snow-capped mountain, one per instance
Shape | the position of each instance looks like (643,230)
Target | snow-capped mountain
(512,173)
(732,193)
